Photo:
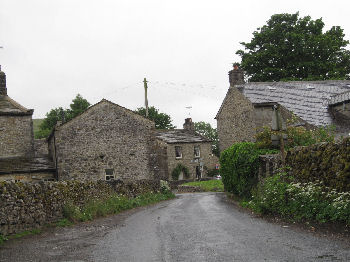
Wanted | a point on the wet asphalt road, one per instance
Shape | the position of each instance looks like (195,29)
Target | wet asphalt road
(193,227)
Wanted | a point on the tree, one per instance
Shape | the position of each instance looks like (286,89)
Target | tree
(206,130)
(290,47)
(162,120)
(78,105)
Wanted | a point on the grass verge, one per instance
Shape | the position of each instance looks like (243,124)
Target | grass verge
(112,205)
(210,185)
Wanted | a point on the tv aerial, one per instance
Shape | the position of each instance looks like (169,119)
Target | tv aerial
(189,109)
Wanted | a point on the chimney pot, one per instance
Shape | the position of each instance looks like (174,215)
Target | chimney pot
(236,76)
(188,125)
(3,89)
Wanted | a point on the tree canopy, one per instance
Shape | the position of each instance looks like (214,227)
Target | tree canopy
(290,47)
(205,129)
(161,120)
(78,105)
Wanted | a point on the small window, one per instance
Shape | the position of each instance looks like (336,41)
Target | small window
(178,152)
(197,151)
(109,174)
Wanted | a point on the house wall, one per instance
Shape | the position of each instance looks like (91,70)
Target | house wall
(235,122)
(106,136)
(239,120)
(16,136)
(188,158)
(341,114)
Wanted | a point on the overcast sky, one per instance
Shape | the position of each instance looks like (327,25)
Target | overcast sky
(55,49)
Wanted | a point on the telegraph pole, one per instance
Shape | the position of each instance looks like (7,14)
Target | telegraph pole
(146,100)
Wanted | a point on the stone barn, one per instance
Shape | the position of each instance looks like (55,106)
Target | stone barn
(247,107)
(188,148)
(18,159)
(106,142)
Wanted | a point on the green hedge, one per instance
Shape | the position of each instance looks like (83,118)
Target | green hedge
(239,167)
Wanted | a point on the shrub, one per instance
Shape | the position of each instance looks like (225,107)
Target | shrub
(212,172)
(177,171)
(238,168)
(297,136)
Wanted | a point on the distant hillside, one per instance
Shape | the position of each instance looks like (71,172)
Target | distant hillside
(36,124)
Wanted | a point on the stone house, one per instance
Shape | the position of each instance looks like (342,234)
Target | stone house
(106,142)
(247,107)
(186,147)
(18,159)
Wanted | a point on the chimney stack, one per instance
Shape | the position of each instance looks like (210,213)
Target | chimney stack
(3,89)
(236,76)
(188,125)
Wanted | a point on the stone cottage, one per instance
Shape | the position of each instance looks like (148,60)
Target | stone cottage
(18,159)
(106,142)
(249,106)
(186,147)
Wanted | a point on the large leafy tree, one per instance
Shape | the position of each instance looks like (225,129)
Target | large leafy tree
(161,120)
(205,129)
(290,47)
(78,105)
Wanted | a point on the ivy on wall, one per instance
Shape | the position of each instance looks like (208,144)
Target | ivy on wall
(175,174)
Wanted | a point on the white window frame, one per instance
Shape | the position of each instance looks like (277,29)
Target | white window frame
(199,151)
(109,177)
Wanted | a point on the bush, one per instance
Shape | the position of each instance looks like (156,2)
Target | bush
(212,172)
(239,167)
(301,201)
(297,136)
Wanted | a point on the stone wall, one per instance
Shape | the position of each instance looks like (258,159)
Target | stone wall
(24,206)
(189,160)
(16,136)
(105,138)
(40,147)
(326,162)
(235,121)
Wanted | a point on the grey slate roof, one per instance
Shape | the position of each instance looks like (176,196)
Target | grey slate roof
(8,106)
(25,165)
(174,136)
(309,100)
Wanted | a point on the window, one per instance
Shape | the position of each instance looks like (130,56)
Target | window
(197,151)
(109,174)
(178,152)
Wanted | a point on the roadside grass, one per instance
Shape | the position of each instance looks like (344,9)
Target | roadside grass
(210,185)
(112,205)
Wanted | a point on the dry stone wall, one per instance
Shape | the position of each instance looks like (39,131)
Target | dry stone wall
(24,206)
(328,163)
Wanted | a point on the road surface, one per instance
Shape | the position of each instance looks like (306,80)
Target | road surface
(192,227)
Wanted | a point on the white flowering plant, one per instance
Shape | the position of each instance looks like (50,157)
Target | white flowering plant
(301,201)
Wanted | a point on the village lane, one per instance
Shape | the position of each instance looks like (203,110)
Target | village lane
(192,227)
